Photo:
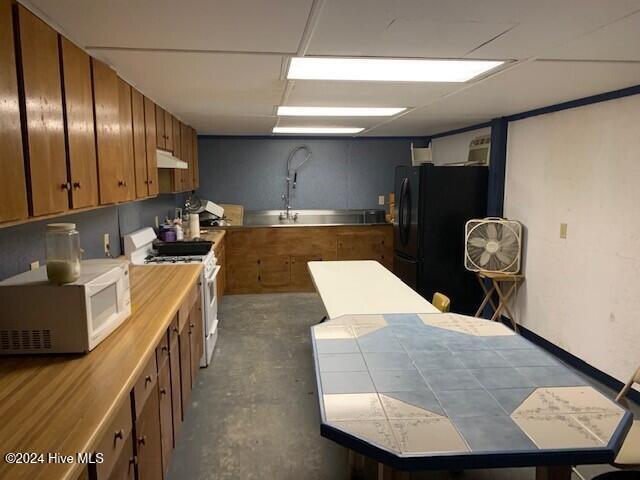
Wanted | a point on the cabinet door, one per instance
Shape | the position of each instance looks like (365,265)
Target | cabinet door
(161,138)
(41,81)
(275,270)
(108,141)
(115,443)
(185,369)
(185,175)
(81,142)
(176,395)
(168,131)
(195,166)
(222,279)
(126,136)
(166,421)
(139,144)
(151,137)
(177,152)
(361,246)
(13,191)
(300,277)
(196,331)
(124,467)
(149,445)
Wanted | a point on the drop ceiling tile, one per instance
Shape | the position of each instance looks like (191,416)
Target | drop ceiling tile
(617,41)
(230,124)
(245,25)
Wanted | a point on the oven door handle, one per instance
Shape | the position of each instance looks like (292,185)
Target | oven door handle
(213,275)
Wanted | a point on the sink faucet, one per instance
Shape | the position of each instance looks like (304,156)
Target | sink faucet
(291,179)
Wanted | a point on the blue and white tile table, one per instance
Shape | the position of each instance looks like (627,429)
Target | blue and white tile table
(433,391)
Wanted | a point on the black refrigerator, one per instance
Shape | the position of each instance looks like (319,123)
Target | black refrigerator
(432,205)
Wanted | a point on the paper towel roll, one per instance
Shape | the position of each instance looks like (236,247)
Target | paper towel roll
(194,225)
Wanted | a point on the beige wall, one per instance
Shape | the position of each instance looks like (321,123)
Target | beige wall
(580,167)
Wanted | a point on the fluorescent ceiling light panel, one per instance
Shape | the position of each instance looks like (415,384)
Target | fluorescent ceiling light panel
(318,130)
(387,69)
(339,111)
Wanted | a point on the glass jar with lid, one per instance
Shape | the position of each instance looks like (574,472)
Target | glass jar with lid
(63,253)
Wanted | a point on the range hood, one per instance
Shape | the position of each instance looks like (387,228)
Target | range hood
(167,160)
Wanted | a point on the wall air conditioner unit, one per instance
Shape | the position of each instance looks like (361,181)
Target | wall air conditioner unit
(479,151)
(420,156)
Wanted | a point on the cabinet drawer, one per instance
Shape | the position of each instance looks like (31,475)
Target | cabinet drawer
(145,385)
(162,351)
(113,441)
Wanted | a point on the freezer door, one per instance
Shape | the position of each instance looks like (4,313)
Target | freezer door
(405,218)
(407,270)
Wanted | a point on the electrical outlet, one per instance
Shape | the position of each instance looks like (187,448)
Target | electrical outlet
(33,265)
(107,250)
(380,199)
(563,230)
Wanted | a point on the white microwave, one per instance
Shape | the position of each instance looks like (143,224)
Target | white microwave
(41,317)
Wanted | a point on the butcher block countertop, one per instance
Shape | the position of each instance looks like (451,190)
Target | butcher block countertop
(63,403)
(213,234)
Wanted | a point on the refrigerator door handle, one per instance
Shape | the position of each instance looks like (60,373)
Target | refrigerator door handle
(404,223)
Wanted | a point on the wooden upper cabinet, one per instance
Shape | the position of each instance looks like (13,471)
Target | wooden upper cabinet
(139,144)
(168,131)
(13,191)
(45,152)
(187,147)
(152,161)
(195,165)
(161,138)
(108,141)
(78,105)
(126,136)
(177,151)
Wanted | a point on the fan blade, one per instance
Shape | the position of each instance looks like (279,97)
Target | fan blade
(484,258)
(492,233)
(478,242)
(508,240)
(503,258)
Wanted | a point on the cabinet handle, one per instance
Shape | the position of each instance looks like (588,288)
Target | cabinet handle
(147,379)
(175,329)
(165,348)
(150,181)
(118,435)
(65,186)
(76,185)
(142,440)
(120,183)
(163,391)
(192,325)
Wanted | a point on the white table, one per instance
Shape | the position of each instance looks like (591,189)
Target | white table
(364,287)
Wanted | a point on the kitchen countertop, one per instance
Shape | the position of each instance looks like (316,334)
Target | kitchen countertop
(63,403)
(443,391)
(213,234)
(364,287)
(301,225)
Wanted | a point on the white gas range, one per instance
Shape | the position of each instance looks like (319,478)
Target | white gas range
(138,248)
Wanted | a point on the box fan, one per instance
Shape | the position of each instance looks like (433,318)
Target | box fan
(493,245)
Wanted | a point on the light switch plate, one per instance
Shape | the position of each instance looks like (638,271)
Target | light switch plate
(380,199)
(563,230)
(106,244)
(33,265)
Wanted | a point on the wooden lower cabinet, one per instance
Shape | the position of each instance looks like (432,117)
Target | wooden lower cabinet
(221,281)
(271,260)
(124,467)
(140,438)
(148,439)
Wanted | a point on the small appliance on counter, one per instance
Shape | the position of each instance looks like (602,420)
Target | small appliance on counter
(41,317)
(210,213)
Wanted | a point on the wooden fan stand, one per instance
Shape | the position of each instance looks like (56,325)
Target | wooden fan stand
(508,280)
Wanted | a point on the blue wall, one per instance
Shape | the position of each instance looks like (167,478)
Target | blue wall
(21,245)
(342,173)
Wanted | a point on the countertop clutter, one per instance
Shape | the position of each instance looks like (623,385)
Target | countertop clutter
(63,404)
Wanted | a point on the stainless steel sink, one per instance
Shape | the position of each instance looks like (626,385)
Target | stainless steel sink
(277,218)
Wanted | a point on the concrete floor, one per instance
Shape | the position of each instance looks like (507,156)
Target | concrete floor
(254,412)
